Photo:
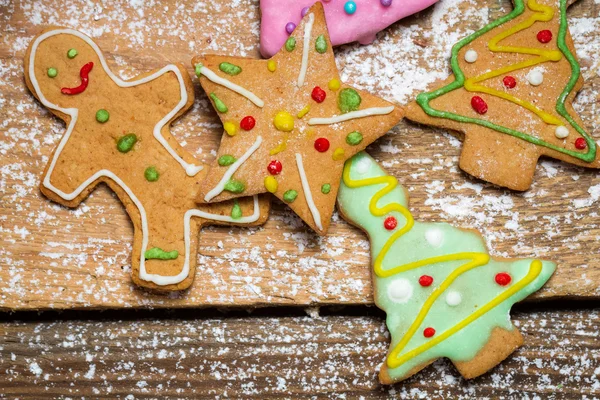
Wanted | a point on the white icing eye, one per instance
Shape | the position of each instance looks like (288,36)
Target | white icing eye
(561,132)
(471,56)
(363,165)
(535,77)
(453,298)
(400,290)
(434,237)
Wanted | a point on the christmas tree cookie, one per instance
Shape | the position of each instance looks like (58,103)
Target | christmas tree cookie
(118,133)
(289,123)
(511,95)
(348,21)
(443,294)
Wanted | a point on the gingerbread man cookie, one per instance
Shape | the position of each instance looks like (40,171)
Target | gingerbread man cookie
(290,123)
(118,133)
(443,294)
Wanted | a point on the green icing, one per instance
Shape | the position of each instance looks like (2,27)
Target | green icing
(348,100)
(52,72)
(126,142)
(160,254)
(321,44)
(102,116)
(226,160)
(424,99)
(151,174)
(354,138)
(236,211)
(198,69)
(72,53)
(290,196)
(326,188)
(234,186)
(230,69)
(476,287)
(219,105)
(290,44)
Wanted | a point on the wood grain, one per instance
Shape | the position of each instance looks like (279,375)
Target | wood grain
(52,257)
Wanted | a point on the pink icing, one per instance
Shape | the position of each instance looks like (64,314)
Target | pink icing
(369,18)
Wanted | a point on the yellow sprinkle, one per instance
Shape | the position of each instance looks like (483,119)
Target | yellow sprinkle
(271,184)
(271,65)
(282,146)
(338,154)
(230,128)
(333,84)
(304,111)
(283,121)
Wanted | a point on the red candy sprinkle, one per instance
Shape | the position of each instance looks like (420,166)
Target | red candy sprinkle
(479,105)
(321,145)
(503,279)
(247,123)
(544,36)
(428,332)
(580,143)
(390,223)
(425,280)
(274,167)
(318,94)
(509,82)
(83,73)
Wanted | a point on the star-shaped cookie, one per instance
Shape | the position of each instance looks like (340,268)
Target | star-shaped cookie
(290,123)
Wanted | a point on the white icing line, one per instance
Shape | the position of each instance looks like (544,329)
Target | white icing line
(307,193)
(351,115)
(231,170)
(307,32)
(74,112)
(211,76)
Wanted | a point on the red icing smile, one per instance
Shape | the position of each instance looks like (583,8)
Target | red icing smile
(83,73)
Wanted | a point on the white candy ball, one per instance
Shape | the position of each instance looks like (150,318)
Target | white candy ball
(471,56)
(400,290)
(363,165)
(434,237)
(453,298)
(561,132)
(535,77)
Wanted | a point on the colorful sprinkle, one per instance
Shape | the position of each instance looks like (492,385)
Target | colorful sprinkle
(234,186)
(283,121)
(428,332)
(247,123)
(52,72)
(350,7)
(72,53)
(126,142)
(386,3)
(230,69)
(348,100)
(503,279)
(322,145)
(151,174)
(326,188)
(544,36)
(318,94)
(226,160)
(102,116)
(321,44)
(333,84)
(509,82)
(290,196)
(84,75)
(236,210)
(304,111)
(390,223)
(274,167)
(272,66)
(580,143)
(338,154)
(281,147)
(271,184)
(230,128)
(479,105)
(290,44)
(160,254)
(219,105)
(354,138)
(289,27)
(425,280)
(198,69)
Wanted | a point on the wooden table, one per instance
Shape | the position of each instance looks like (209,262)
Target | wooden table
(52,258)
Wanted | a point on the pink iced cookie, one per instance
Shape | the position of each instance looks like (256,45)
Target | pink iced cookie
(348,21)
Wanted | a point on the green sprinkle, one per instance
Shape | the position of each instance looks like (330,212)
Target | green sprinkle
(348,100)
(72,53)
(160,254)
(290,196)
(354,138)
(234,186)
(226,160)
(52,72)
(151,174)
(198,69)
(321,44)
(219,105)
(126,142)
(290,44)
(102,116)
(230,69)
(326,188)
(236,211)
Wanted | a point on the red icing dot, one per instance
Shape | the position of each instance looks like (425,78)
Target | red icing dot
(318,94)
(509,82)
(544,36)
(247,123)
(479,105)
(580,143)
(321,145)
(503,279)
(390,223)
(425,280)
(429,332)
(274,167)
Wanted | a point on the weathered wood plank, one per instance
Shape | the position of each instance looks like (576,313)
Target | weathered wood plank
(51,257)
(271,357)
